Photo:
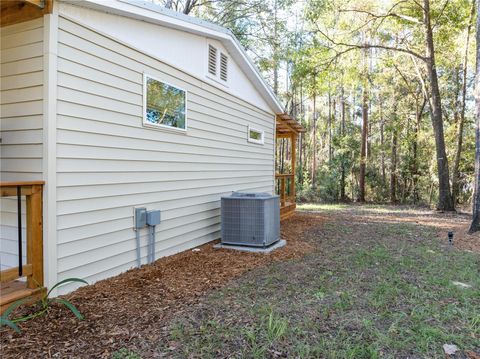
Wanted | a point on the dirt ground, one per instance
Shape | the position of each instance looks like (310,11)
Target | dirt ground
(130,309)
(135,311)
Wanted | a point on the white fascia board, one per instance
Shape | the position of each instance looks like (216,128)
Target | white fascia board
(146,11)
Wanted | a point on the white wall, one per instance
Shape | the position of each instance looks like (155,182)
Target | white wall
(21,100)
(183,50)
(108,163)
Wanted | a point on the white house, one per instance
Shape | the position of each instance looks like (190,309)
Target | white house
(120,104)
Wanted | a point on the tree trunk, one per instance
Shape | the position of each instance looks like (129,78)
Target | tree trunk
(393,168)
(445,201)
(382,143)
(475,226)
(275,49)
(330,130)
(415,174)
(282,155)
(458,152)
(300,159)
(189,6)
(363,146)
(342,166)
(302,145)
(314,142)
(329,125)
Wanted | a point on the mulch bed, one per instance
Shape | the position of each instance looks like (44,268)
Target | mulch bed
(132,310)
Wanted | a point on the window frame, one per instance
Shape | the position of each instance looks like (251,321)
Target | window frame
(252,140)
(144,114)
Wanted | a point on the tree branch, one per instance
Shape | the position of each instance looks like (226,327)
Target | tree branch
(371,46)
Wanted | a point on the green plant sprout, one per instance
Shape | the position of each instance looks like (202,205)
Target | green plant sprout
(45,303)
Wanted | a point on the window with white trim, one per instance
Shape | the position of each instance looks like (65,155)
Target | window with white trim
(255,135)
(165,105)
(217,64)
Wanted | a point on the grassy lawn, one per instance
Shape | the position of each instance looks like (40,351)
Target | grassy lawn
(371,289)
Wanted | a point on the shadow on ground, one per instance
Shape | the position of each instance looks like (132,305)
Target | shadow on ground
(380,283)
(353,282)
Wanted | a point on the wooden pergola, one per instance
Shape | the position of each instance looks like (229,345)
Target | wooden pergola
(16,11)
(287,128)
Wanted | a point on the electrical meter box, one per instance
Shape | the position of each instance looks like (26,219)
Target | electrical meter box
(153,217)
(140,219)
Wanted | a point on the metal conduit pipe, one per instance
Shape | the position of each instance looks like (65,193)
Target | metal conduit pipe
(153,218)
(143,218)
(137,238)
(153,244)
(150,244)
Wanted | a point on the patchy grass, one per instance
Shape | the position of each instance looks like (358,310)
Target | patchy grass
(124,353)
(362,208)
(371,289)
(314,207)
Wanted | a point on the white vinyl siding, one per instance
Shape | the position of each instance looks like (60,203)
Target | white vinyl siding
(21,98)
(107,162)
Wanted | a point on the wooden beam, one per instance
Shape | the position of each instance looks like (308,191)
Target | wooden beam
(12,191)
(286,124)
(30,296)
(10,274)
(20,183)
(35,237)
(17,11)
(293,138)
(8,189)
(38,3)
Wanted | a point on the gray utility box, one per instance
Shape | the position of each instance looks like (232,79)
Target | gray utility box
(250,219)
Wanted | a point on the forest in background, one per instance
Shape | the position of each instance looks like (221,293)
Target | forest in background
(384,89)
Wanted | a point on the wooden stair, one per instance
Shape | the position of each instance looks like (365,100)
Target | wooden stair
(15,290)
(287,210)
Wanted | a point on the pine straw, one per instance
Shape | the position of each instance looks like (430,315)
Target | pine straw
(132,310)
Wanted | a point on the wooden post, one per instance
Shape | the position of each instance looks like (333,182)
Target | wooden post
(282,191)
(293,138)
(35,237)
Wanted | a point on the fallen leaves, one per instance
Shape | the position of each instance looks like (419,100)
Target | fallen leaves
(126,310)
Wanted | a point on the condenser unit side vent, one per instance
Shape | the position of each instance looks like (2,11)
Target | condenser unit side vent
(250,219)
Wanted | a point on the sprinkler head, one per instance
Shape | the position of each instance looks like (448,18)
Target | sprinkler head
(450,238)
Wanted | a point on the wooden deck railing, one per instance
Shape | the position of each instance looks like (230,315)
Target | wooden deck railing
(33,268)
(285,187)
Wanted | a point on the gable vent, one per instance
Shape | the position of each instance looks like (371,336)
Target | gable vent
(223,67)
(212,60)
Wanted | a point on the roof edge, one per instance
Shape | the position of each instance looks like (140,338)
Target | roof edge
(156,14)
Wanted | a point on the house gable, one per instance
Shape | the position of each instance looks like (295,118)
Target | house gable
(186,51)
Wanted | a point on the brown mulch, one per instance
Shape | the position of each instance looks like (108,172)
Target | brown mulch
(132,310)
